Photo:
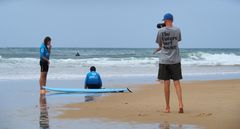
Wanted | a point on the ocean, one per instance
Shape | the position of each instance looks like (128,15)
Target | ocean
(23,63)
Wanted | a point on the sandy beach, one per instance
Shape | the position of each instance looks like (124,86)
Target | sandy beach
(207,104)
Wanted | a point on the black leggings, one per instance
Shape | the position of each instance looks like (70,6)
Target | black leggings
(44,66)
(93,86)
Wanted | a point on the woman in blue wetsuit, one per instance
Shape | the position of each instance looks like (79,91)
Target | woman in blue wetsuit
(93,79)
(45,50)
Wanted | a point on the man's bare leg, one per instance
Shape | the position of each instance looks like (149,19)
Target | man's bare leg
(179,94)
(167,94)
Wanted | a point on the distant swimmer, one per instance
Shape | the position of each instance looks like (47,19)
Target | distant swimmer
(93,79)
(77,54)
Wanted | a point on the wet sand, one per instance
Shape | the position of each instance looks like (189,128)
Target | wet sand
(207,104)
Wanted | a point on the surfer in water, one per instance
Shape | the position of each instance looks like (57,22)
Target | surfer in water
(93,79)
(45,50)
(77,54)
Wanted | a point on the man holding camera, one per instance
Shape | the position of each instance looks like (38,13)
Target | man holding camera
(170,59)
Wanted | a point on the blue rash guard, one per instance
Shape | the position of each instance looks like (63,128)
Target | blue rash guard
(93,78)
(44,52)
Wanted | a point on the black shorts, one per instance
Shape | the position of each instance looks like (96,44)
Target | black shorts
(170,71)
(44,66)
(93,86)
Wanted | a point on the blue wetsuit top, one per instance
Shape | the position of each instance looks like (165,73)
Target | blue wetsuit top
(93,78)
(44,52)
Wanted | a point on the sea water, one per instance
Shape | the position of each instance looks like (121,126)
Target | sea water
(23,63)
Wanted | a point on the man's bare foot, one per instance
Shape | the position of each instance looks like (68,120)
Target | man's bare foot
(180,110)
(167,110)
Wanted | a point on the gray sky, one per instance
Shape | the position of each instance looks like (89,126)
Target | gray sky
(117,23)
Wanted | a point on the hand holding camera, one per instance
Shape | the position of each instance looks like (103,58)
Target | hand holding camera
(160,25)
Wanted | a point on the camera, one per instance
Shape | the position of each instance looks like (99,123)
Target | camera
(160,25)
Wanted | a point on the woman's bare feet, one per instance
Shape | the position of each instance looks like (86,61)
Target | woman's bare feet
(43,91)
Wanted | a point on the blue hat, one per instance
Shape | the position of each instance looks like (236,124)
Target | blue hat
(168,16)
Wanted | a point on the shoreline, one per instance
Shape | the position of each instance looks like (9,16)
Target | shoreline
(207,104)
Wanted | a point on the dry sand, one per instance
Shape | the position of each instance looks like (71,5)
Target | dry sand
(207,104)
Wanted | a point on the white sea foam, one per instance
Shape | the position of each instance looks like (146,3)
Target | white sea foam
(198,63)
(207,59)
(120,62)
(200,58)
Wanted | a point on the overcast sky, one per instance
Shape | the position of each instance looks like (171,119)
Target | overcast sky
(117,23)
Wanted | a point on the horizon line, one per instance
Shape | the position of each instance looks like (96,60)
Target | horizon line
(129,47)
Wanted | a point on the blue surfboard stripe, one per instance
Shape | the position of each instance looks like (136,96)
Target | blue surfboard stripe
(81,90)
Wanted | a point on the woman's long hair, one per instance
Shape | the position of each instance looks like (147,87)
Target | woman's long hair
(46,40)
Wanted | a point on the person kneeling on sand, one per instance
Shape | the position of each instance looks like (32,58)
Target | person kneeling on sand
(93,79)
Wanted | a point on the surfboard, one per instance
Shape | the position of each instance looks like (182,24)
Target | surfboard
(81,90)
